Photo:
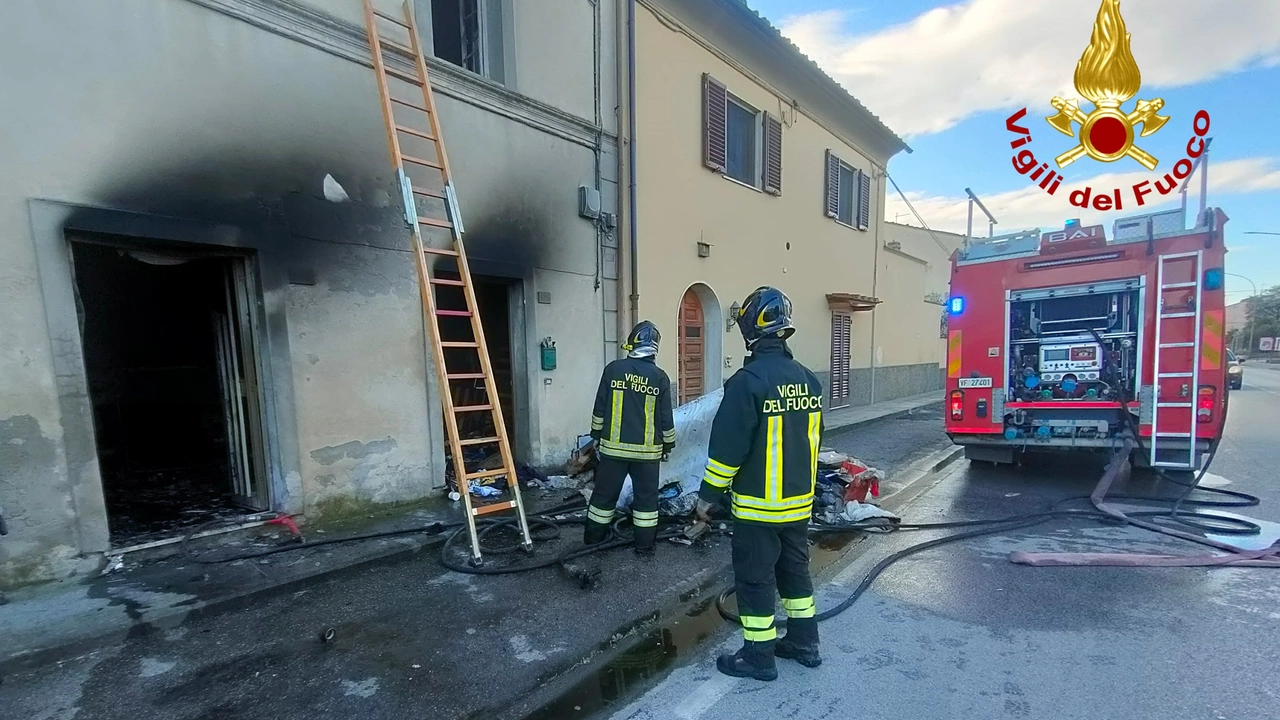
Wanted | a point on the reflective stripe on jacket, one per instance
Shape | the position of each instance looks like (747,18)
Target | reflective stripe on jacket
(633,418)
(766,437)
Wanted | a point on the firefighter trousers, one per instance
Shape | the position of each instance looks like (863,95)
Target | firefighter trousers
(768,556)
(611,473)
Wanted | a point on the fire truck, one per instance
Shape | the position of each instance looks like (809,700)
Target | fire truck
(1068,341)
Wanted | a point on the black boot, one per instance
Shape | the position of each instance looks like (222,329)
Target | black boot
(800,643)
(645,540)
(754,660)
(595,533)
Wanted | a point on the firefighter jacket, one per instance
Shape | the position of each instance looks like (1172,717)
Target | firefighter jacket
(765,438)
(632,417)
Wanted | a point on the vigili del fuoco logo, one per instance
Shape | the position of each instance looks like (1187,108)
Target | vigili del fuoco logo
(1108,77)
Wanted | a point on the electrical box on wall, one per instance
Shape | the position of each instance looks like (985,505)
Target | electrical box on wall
(588,202)
(548,354)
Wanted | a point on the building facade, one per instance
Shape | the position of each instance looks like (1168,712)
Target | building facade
(755,168)
(211,306)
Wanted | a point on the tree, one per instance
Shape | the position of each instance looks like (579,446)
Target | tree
(1264,315)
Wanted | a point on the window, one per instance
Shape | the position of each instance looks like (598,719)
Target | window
(848,193)
(468,33)
(740,142)
(848,180)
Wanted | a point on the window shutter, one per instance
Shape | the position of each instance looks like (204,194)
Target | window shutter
(841,327)
(832,204)
(715,97)
(864,201)
(772,155)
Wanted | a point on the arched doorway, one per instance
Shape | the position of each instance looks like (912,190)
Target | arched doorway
(700,327)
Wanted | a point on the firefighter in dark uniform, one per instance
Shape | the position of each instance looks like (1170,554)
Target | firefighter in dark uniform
(764,450)
(635,431)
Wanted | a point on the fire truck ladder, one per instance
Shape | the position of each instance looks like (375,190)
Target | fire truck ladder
(1172,344)
(431,210)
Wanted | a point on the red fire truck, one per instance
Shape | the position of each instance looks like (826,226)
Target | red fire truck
(1067,341)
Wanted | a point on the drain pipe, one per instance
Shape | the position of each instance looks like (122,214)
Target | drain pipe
(631,154)
(875,286)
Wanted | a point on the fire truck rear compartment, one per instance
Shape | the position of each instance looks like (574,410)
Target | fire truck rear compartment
(1072,352)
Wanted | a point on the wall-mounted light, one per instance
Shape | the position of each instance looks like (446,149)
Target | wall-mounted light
(732,320)
(704,249)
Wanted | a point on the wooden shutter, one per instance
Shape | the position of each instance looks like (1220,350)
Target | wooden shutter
(841,332)
(832,204)
(864,200)
(715,98)
(772,155)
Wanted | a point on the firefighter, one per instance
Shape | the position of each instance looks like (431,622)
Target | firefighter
(634,430)
(764,451)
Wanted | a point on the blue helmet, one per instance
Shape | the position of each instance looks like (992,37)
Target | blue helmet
(766,312)
(643,340)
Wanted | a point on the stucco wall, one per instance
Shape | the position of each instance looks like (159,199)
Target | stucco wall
(756,239)
(158,109)
(918,277)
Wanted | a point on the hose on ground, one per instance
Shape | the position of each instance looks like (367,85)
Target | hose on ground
(1224,525)
(429,529)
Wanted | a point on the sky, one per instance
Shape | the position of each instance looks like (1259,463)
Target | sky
(946,75)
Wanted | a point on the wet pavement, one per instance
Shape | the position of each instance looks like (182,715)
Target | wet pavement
(960,632)
(414,640)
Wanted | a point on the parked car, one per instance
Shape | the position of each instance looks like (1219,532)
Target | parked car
(1235,371)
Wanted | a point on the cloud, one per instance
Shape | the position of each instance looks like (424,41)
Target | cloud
(927,75)
(1031,207)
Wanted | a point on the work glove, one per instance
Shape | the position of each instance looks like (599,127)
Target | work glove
(702,510)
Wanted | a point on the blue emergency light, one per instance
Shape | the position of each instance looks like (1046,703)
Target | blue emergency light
(1213,278)
(956,305)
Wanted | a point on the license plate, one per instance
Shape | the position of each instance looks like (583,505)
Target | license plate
(967,383)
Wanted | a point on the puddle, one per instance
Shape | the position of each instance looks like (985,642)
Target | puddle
(651,656)
(1269,536)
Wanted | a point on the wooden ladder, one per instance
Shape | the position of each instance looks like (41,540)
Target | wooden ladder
(431,210)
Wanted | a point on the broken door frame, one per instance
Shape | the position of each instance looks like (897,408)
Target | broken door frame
(52,225)
(237,343)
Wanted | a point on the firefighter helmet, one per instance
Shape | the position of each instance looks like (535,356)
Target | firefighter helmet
(765,312)
(643,340)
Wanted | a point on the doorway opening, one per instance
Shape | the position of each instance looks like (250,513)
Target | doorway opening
(693,359)
(173,381)
(700,338)
(493,301)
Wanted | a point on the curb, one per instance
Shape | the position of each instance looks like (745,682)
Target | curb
(841,429)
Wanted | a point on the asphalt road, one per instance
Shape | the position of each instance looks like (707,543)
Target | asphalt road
(960,632)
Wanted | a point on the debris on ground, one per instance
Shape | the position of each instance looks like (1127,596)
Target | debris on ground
(583,458)
(844,483)
(855,512)
(560,482)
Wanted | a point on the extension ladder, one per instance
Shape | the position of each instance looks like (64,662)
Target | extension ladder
(1179,301)
(431,210)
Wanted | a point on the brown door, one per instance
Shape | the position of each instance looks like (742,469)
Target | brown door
(692,349)
(841,330)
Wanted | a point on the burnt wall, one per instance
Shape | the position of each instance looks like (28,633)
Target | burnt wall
(168,121)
